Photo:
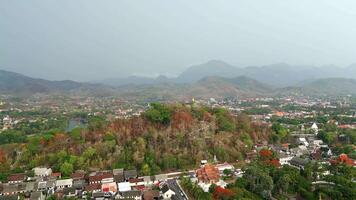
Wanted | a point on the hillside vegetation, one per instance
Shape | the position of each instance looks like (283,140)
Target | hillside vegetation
(164,138)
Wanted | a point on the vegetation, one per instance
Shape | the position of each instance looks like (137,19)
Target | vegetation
(165,138)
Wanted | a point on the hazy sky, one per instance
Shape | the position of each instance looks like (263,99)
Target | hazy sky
(91,40)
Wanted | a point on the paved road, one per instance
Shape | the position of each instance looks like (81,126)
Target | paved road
(175,187)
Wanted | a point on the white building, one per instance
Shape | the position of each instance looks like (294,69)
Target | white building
(65,183)
(315,128)
(124,186)
(42,171)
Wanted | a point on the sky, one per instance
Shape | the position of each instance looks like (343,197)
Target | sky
(88,40)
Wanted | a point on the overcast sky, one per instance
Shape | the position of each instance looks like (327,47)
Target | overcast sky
(92,40)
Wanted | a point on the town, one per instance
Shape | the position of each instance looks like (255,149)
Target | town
(299,143)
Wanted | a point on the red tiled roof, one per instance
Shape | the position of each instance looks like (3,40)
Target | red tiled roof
(16,177)
(56,174)
(136,180)
(208,173)
(93,187)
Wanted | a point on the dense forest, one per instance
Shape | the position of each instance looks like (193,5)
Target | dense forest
(164,138)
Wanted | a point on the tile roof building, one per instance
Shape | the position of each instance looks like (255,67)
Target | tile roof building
(208,174)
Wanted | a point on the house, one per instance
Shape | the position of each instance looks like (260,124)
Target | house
(65,183)
(10,189)
(41,186)
(224,166)
(98,196)
(37,196)
(151,195)
(128,174)
(79,184)
(100,177)
(118,175)
(109,187)
(124,186)
(69,192)
(167,192)
(284,158)
(42,171)
(298,162)
(16,178)
(50,185)
(132,194)
(78,175)
(56,175)
(93,188)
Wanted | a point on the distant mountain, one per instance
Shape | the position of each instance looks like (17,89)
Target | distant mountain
(277,75)
(15,83)
(331,86)
(134,80)
(217,87)
(323,87)
(211,68)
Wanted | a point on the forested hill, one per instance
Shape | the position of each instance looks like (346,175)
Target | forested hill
(163,138)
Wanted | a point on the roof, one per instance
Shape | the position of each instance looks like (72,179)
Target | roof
(130,174)
(10,188)
(42,185)
(131,193)
(208,173)
(17,177)
(64,182)
(79,184)
(136,180)
(56,174)
(77,175)
(93,187)
(299,161)
(165,188)
(124,186)
(69,190)
(100,176)
(118,171)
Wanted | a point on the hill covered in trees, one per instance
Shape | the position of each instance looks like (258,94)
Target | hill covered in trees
(163,138)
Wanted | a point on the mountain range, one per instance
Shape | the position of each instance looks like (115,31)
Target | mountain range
(276,75)
(212,79)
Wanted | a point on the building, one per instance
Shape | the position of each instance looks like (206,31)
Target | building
(315,129)
(109,187)
(128,174)
(16,178)
(42,171)
(167,192)
(65,183)
(124,186)
(118,175)
(298,162)
(224,166)
(208,174)
(132,194)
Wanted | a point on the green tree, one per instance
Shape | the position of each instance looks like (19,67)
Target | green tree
(66,169)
